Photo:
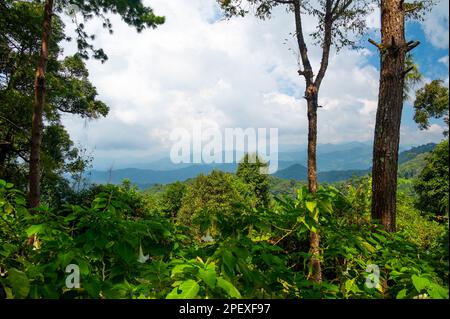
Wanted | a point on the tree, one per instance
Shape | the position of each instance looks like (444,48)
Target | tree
(393,51)
(336,21)
(212,195)
(432,184)
(172,199)
(133,12)
(69,92)
(432,101)
(249,170)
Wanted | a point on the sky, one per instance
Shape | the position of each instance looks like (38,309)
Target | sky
(199,68)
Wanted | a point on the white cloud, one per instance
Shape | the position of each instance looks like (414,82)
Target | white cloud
(444,60)
(413,136)
(236,73)
(436,25)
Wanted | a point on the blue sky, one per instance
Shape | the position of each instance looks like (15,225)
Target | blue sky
(236,73)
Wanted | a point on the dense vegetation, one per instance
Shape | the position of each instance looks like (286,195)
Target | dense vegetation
(210,237)
(221,235)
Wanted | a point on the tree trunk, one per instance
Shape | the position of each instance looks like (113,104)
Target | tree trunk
(312,179)
(311,96)
(39,98)
(390,104)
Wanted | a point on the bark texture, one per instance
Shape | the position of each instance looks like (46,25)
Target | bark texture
(393,49)
(39,100)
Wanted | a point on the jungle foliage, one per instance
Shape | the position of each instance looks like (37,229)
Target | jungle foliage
(209,238)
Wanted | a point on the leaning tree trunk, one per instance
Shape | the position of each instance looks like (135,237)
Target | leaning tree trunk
(39,98)
(312,180)
(390,104)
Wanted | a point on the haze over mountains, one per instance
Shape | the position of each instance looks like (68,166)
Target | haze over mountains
(335,163)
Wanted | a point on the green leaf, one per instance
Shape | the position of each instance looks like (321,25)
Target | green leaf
(66,258)
(208,276)
(187,290)
(8,208)
(349,284)
(402,294)
(19,283)
(35,229)
(326,206)
(420,283)
(84,267)
(311,206)
(178,269)
(229,261)
(228,287)
(437,292)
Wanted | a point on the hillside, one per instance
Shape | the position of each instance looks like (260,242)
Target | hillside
(410,163)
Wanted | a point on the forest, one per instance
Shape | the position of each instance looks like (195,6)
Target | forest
(375,233)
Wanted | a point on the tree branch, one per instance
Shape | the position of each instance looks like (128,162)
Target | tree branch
(407,71)
(284,1)
(308,72)
(411,45)
(336,12)
(326,43)
(378,45)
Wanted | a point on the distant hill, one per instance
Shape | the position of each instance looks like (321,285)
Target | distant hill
(411,163)
(348,156)
(413,167)
(299,173)
(296,172)
(147,177)
(335,163)
(413,152)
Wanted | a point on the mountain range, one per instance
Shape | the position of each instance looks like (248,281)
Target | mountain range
(334,163)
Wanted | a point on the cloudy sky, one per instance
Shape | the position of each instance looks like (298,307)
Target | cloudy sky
(200,68)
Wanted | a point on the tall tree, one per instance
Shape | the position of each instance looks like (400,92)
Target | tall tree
(39,94)
(393,51)
(133,12)
(338,23)
(69,92)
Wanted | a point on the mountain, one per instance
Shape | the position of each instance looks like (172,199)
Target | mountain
(413,152)
(147,177)
(335,163)
(338,176)
(411,163)
(348,156)
(296,172)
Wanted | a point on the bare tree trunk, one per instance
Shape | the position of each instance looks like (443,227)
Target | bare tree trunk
(312,182)
(39,99)
(311,96)
(390,105)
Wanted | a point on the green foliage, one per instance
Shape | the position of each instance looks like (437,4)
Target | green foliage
(133,12)
(432,101)
(412,78)
(125,247)
(254,172)
(418,229)
(68,91)
(172,197)
(412,168)
(348,17)
(211,196)
(432,184)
